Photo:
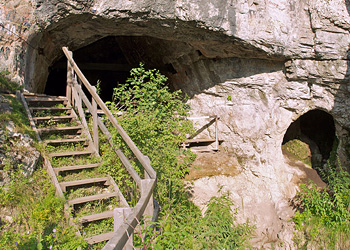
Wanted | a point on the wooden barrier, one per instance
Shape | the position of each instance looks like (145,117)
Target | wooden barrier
(77,98)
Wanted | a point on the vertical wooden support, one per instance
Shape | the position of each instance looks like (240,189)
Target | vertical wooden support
(94,122)
(150,206)
(120,215)
(69,80)
(216,134)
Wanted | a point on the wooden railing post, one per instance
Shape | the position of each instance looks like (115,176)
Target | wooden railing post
(94,121)
(216,133)
(69,80)
(120,216)
(150,206)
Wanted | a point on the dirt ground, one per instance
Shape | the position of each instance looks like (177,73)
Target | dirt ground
(213,163)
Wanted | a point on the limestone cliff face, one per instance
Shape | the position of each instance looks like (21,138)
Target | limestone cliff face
(276,59)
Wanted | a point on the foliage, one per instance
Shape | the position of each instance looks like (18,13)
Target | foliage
(18,116)
(324,218)
(186,228)
(6,84)
(38,214)
(152,117)
(298,150)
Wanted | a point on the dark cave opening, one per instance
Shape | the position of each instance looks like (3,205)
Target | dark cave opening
(109,61)
(317,130)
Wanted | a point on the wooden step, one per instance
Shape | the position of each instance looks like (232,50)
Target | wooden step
(30,94)
(95,217)
(92,198)
(46,99)
(99,238)
(66,184)
(72,153)
(49,108)
(59,129)
(200,141)
(53,118)
(76,167)
(61,141)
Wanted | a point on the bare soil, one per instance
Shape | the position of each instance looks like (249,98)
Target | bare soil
(213,163)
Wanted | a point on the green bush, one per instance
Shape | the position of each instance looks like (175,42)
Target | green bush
(323,218)
(38,215)
(153,118)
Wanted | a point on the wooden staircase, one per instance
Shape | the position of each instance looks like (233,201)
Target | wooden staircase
(67,141)
(72,159)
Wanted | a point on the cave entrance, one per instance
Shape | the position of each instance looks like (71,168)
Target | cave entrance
(310,138)
(109,61)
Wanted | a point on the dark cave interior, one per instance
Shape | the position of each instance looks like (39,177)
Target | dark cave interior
(109,61)
(314,127)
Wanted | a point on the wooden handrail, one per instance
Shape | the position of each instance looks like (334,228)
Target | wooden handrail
(112,119)
(76,97)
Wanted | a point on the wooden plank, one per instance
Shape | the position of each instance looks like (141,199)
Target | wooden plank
(121,236)
(53,177)
(110,116)
(44,118)
(91,198)
(120,194)
(71,153)
(66,184)
(49,108)
(120,154)
(36,95)
(120,218)
(199,140)
(56,129)
(201,117)
(94,123)
(99,238)
(76,167)
(74,140)
(216,134)
(46,99)
(95,217)
(79,95)
(30,117)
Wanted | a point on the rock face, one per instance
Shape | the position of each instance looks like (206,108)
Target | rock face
(274,60)
(17,153)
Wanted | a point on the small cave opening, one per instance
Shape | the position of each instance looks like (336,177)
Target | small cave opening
(109,61)
(310,138)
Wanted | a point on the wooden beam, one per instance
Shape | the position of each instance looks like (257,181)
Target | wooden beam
(110,116)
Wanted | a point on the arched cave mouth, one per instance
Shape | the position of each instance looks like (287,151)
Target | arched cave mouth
(109,61)
(314,130)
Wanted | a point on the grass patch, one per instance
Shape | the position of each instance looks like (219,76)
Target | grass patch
(298,150)
(93,207)
(323,218)
(98,227)
(37,215)
(57,162)
(65,147)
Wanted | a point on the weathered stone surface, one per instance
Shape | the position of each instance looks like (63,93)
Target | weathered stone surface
(276,60)
(17,153)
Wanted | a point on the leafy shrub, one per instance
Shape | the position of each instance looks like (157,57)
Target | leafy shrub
(324,219)
(152,117)
(7,85)
(37,214)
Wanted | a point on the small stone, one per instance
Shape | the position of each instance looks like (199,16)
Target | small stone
(9,219)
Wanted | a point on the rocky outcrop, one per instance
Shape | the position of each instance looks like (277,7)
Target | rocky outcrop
(17,152)
(274,61)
